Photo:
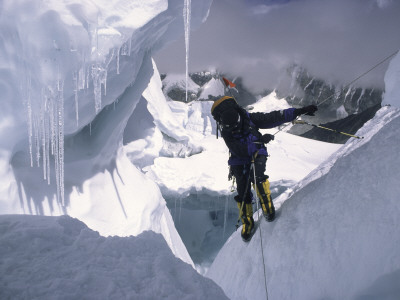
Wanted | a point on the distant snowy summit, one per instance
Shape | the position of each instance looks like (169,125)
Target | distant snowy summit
(203,86)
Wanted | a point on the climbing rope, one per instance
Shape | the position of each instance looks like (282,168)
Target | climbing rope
(346,86)
(259,230)
(362,75)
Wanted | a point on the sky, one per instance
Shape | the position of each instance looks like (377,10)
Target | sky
(257,40)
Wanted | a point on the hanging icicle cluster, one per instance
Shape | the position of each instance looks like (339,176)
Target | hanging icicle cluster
(46,133)
(44,102)
(45,112)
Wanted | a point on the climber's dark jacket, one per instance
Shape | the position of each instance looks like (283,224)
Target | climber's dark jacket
(245,141)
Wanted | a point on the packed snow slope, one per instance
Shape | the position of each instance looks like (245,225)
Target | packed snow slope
(61,258)
(72,73)
(336,235)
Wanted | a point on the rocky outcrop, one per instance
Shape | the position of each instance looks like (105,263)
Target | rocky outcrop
(335,102)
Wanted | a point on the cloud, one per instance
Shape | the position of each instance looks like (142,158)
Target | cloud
(335,40)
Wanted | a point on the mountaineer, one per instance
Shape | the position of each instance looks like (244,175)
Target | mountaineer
(240,131)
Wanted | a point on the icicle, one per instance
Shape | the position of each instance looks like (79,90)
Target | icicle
(37,142)
(87,77)
(82,74)
(46,127)
(60,157)
(97,77)
(56,161)
(30,124)
(55,143)
(186,21)
(52,125)
(43,135)
(47,131)
(82,77)
(76,89)
(104,80)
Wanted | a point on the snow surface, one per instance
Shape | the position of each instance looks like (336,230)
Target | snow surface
(61,258)
(392,79)
(336,235)
(291,159)
(269,103)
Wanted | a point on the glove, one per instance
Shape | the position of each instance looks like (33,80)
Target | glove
(266,138)
(307,110)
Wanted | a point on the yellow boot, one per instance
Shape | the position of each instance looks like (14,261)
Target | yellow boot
(246,216)
(264,194)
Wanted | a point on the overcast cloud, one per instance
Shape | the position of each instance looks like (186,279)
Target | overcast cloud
(335,39)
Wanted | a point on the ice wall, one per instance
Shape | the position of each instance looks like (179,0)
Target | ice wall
(71,75)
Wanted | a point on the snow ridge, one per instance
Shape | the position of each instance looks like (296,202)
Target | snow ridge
(60,257)
(337,225)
